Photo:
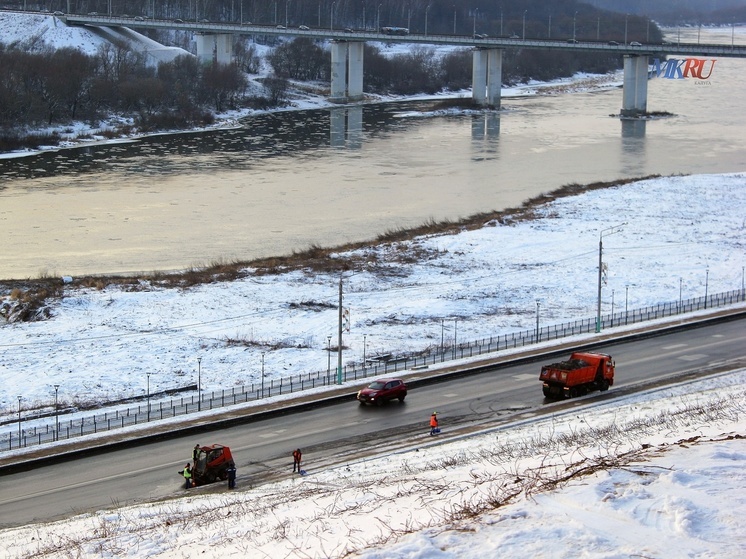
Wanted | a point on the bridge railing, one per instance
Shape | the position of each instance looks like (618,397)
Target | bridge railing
(36,431)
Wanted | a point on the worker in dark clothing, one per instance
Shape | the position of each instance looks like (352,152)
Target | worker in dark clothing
(195,453)
(231,475)
(187,473)
(296,460)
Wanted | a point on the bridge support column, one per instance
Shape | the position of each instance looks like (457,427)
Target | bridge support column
(347,71)
(355,72)
(214,47)
(339,75)
(635,88)
(486,77)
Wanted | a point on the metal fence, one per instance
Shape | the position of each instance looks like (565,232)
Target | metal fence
(149,411)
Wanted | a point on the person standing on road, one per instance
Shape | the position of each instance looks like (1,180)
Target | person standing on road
(434,423)
(296,460)
(187,473)
(195,453)
(231,475)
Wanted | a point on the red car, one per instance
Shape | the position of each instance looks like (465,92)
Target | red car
(382,391)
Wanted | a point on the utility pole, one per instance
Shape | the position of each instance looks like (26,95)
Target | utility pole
(607,231)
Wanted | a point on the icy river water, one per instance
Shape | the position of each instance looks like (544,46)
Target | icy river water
(286,181)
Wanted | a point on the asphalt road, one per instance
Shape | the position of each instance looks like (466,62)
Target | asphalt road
(346,431)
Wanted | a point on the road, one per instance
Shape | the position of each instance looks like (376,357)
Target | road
(346,431)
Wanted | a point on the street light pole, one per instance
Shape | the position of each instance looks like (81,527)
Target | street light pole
(574,18)
(19,422)
(626,300)
(262,374)
(607,231)
(474,27)
(56,414)
(427,9)
(524,23)
(339,332)
(707,278)
(454,20)
(199,384)
(612,308)
(364,343)
(455,340)
(328,355)
(537,321)
(148,392)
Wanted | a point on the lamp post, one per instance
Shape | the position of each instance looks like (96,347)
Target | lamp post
(574,18)
(378,17)
(607,231)
(199,384)
(612,308)
(626,17)
(626,300)
(680,282)
(331,17)
(743,293)
(598,29)
(455,341)
(262,374)
(501,22)
(339,332)
(364,343)
(707,278)
(537,321)
(474,30)
(19,421)
(442,337)
(328,355)
(56,414)
(148,392)
(454,20)
(427,9)
(549,29)
(524,23)
(365,27)
(286,12)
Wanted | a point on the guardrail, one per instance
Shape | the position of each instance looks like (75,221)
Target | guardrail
(148,411)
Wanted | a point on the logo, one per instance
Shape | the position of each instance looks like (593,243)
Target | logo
(681,69)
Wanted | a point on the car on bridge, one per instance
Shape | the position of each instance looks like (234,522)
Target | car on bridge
(635,44)
(382,391)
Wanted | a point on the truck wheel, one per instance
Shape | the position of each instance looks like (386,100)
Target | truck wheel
(604,385)
(547,392)
(573,392)
(401,398)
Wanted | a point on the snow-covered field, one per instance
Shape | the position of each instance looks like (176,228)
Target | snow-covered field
(631,490)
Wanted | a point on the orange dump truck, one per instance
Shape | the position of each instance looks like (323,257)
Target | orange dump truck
(580,374)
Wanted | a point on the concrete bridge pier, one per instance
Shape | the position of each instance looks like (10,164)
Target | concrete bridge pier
(486,77)
(635,87)
(214,47)
(347,71)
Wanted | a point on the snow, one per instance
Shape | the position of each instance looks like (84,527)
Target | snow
(658,474)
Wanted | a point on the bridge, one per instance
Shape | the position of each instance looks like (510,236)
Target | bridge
(214,42)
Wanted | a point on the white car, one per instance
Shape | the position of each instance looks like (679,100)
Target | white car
(635,44)
(303,27)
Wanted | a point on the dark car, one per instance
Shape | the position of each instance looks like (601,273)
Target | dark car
(382,391)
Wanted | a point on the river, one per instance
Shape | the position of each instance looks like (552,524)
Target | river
(286,181)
